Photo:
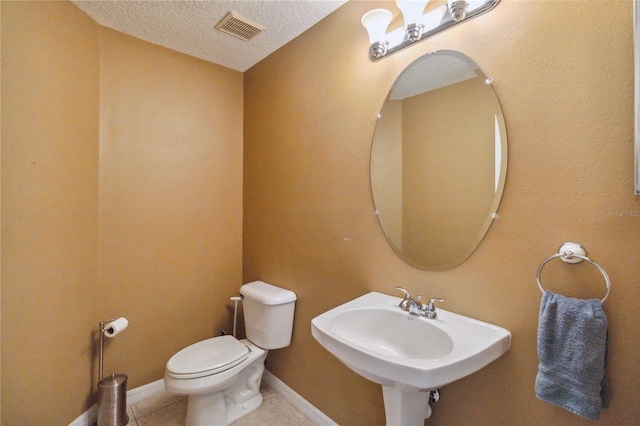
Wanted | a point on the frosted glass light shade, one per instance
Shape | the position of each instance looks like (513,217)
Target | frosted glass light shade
(376,22)
(412,11)
(434,18)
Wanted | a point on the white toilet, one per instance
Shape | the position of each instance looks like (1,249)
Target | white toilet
(222,375)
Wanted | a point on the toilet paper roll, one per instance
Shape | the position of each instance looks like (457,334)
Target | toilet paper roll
(115,327)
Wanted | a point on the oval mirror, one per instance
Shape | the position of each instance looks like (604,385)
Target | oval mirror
(438,161)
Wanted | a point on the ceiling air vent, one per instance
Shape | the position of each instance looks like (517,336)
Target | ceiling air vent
(239,26)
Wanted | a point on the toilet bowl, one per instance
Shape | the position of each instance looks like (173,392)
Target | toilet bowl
(223,394)
(222,375)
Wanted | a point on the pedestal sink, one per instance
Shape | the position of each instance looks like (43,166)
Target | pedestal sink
(407,354)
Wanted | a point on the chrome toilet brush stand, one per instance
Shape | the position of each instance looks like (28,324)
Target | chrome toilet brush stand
(112,391)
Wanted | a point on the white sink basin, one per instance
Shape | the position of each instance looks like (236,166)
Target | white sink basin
(387,345)
(392,333)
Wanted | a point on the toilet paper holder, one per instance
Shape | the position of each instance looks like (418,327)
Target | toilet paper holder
(109,328)
(112,392)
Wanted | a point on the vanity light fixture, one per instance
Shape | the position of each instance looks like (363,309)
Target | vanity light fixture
(376,22)
(417,24)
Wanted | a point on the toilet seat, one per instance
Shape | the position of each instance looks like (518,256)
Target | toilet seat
(207,357)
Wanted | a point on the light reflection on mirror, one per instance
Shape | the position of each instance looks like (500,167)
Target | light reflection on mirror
(438,161)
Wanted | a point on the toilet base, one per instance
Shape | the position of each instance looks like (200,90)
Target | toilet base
(211,409)
(226,406)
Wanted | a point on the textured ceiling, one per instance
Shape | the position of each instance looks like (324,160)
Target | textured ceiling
(188,26)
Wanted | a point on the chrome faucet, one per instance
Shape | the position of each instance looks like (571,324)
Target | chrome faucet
(416,307)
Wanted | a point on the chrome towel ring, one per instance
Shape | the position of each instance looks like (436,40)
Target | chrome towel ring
(574,253)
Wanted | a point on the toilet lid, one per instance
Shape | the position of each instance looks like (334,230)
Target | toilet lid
(208,357)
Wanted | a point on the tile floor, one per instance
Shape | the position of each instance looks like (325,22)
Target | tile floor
(170,410)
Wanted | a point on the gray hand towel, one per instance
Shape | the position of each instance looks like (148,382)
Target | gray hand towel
(572,344)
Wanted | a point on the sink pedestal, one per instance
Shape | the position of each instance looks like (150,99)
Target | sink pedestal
(405,408)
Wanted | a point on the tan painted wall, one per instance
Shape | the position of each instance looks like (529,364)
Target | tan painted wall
(563,74)
(50,122)
(171,200)
(121,196)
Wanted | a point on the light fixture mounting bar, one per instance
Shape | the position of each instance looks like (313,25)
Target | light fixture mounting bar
(448,23)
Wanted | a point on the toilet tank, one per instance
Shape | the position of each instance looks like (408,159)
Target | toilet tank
(268,314)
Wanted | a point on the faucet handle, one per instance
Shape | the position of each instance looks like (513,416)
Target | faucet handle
(406,300)
(406,293)
(430,309)
(435,299)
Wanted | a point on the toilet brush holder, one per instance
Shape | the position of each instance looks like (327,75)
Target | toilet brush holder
(112,401)
(112,391)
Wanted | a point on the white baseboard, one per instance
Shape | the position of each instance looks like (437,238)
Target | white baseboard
(316,416)
(146,391)
(87,418)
